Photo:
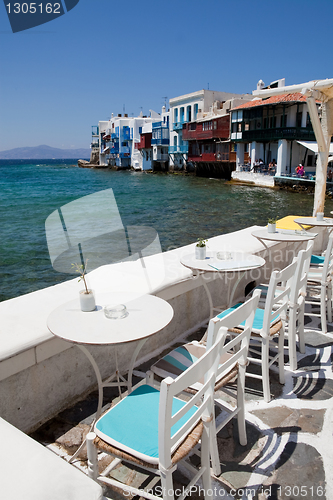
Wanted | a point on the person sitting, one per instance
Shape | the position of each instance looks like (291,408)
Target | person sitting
(300,170)
(255,167)
(261,165)
(272,167)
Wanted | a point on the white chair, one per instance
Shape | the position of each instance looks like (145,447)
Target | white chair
(295,312)
(319,287)
(154,429)
(296,306)
(232,364)
(269,325)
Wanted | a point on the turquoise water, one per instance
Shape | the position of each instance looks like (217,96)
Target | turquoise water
(181,209)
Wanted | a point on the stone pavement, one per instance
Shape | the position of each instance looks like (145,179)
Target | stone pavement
(289,454)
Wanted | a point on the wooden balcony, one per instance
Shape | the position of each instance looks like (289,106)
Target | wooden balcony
(145,141)
(218,128)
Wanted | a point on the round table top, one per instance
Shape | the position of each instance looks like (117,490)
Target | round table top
(147,315)
(237,261)
(283,235)
(312,221)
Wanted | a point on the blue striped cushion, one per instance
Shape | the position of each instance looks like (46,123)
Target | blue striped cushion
(181,358)
(132,425)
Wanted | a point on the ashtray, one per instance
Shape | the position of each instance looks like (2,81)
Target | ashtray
(115,312)
(224,255)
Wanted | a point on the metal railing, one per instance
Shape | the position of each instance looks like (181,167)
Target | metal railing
(178,149)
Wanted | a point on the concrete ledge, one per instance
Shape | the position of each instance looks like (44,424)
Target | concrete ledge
(253,178)
(43,474)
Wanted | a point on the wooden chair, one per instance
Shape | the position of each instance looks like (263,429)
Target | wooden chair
(232,365)
(154,429)
(269,325)
(296,304)
(319,287)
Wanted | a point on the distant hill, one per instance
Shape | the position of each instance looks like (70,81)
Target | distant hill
(44,153)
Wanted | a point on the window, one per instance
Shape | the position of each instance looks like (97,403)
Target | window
(193,126)
(175,115)
(189,113)
(299,119)
(310,161)
(308,121)
(207,125)
(181,114)
(272,122)
(195,112)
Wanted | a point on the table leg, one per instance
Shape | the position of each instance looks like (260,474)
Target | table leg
(235,287)
(108,383)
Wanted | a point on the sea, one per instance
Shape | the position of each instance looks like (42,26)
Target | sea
(181,208)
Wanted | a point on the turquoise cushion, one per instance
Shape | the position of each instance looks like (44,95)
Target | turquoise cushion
(317,259)
(132,425)
(258,317)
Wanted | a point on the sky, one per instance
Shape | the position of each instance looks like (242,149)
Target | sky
(107,56)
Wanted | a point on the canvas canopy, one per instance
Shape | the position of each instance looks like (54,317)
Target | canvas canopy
(313,145)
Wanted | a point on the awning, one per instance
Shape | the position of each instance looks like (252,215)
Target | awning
(313,146)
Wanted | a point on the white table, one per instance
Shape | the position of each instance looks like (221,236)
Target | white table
(239,262)
(147,315)
(283,236)
(327,222)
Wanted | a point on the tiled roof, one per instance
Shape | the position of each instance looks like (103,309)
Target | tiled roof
(278,99)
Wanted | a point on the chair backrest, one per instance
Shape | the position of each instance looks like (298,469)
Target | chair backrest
(328,262)
(277,303)
(242,315)
(298,284)
(204,368)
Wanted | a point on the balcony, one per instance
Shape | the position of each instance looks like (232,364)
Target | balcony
(208,157)
(145,141)
(161,156)
(178,125)
(126,133)
(160,142)
(95,131)
(271,134)
(178,149)
(125,150)
(214,129)
(94,145)
(160,125)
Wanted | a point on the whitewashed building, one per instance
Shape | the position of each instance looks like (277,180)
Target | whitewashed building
(188,108)
(275,128)
(119,140)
